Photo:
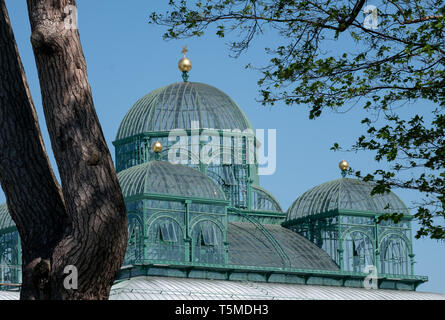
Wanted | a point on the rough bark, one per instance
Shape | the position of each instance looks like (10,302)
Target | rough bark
(92,194)
(92,235)
(34,197)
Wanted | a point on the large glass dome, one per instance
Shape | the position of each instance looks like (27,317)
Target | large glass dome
(177,105)
(344,194)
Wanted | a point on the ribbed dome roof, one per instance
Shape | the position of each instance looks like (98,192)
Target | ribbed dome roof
(177,105)
(250,246)
(5,219)
(264,200)
(162,177)
(345,194)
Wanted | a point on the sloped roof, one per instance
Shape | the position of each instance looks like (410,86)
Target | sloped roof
(169,288)
(250,246)
(9,295)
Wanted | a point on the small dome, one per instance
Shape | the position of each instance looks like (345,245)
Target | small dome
(345,194)
(263,200)
(6,221)
(177,105)
(161,177)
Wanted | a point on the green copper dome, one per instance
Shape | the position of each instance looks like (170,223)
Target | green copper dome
(161,177)
(177,105)
(344,194)
(5,219)
(264,200)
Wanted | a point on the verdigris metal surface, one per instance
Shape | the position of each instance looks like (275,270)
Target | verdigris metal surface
(169,179)
(250,246)
(346,194)
(177,105)
(163,288)
(264,200)
(5,218)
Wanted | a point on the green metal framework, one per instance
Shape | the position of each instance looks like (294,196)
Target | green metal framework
(341,217)
(198,114)
(10,257)
(182,235)
(231,168)
(213,220)
(175,213)
(265,274)
(263,200)
(344,193)
(6,223)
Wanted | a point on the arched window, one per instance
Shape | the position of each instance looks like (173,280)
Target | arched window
(208,244)
(394,255)
(167,232)
(357,251)
(165,240)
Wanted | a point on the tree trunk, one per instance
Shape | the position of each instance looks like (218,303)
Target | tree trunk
(34,197)
(92,227)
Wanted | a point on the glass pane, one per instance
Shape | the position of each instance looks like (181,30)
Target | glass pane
(167,233)
(208,235)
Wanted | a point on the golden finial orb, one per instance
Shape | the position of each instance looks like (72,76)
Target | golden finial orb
(343,165)
(185,65)
(156,147)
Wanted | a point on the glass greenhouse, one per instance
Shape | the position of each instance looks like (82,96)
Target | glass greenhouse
(205,228)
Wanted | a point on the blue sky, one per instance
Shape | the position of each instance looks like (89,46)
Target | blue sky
(127,58)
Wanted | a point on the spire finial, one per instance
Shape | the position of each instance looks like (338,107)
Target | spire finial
(344,166)
(184,50)
(185,65)
(156,147)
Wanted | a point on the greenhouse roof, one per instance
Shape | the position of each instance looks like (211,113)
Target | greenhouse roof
(345,194)
(162,177)
(9,295)
(177,105)
(5,219)
(267,195)
(251,246)
(169,288)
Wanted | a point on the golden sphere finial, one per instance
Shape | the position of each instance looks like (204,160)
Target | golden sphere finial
(156,147)
(343,165)
(185,65)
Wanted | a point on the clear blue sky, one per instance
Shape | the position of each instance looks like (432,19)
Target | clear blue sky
(127,58)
